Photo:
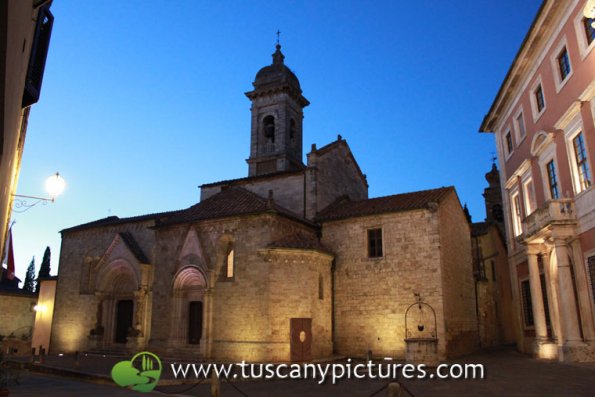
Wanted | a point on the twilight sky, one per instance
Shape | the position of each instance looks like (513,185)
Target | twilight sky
(142,101)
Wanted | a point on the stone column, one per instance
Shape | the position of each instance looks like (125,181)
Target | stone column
(567,304)
(536,297)
(207,333)
(551,277)
(582,286)
(140,297)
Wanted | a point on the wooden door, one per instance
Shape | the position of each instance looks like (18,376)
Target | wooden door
(124,311)
(194,322)
(300,339)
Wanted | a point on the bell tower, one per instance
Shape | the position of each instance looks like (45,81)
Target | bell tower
(277,114)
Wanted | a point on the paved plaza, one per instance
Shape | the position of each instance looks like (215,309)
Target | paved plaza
(508,373)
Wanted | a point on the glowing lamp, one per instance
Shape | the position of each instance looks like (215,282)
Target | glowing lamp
(55,185)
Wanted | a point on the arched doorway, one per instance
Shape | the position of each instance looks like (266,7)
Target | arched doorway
(187,326)
(116,298)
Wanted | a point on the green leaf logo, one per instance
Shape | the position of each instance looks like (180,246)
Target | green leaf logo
(141,373)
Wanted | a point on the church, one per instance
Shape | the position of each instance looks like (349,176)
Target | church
(293,262)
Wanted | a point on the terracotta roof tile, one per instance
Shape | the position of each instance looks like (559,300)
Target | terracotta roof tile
(272,175)
(114,220)
(232,201)
(345,208)
(299,242)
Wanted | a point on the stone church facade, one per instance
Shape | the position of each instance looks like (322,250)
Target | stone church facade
(292,263)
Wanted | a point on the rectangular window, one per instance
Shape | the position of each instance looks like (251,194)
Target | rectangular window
(509,144)
(516,215)
(374,243)
(563,64)
(520,122)
(582,165)
(591,271)
(529,194)
(527,304)
(552,181)
(539,99)
(589,29)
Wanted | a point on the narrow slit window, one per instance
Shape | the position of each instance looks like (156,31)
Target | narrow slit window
(229,265)
(552,180)
(539,99)
(589,29)
(320,287)
(509,144)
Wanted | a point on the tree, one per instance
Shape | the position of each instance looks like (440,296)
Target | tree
(44,269)
(29,284)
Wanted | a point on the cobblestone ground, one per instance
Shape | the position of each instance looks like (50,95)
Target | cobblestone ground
(508,373)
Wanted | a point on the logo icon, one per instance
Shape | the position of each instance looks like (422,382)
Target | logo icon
(141,373)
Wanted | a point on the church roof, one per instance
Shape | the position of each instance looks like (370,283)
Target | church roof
(115,220)
(276,73)
(136,250)
(299,242)
(233,201)
(345,208)
(479,228)
(272,175)
(277,76)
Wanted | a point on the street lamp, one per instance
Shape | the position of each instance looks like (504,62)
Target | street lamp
(54,185)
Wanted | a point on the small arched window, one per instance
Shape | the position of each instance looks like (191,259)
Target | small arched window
(229,268)
(269,128)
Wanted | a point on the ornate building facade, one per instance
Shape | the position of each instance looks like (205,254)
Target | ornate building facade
(543,121)
(293,262)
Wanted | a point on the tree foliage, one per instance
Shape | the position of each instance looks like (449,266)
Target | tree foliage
(29,283)
(44,269)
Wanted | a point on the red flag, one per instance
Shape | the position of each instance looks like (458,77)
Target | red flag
(10,257)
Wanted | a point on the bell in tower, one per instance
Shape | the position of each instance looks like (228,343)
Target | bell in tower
(277,114)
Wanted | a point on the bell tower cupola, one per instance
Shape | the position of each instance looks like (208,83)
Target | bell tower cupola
(277,114)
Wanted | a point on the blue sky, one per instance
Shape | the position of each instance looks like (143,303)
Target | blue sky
(142,101)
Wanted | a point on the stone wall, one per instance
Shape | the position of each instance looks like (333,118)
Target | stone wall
(372,294)
(494,291)
(247,318)
(288,190)
(76,304)
(332,173)
(16,313)
(458,284)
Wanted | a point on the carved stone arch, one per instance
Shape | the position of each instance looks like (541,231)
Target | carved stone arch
(189,276)
(540,141)
(117,276)
(188,306)
(117,281)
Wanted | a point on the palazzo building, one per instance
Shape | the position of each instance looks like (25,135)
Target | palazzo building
(543,121)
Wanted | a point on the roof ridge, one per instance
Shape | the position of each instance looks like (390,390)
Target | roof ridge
(407,201)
